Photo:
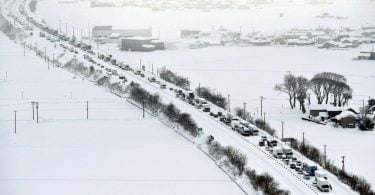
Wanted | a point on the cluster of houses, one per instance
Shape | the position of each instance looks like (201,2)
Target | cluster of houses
(128,39)
(321,37)
(204,5)
(346,117)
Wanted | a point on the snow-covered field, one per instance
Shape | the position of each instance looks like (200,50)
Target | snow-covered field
(116,151)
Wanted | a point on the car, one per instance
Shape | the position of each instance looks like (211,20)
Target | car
(294,159)
(261,143)
(297,168)
(300,171)
(306,175)
(292,166)
(264,138)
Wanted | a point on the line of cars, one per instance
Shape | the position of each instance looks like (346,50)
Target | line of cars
(307,171)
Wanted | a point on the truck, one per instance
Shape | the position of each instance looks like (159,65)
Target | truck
(206,108)
(245,131)
(288,152)
(189,95)
(277,152)
(323,184)
(321,181)
(235,124)
(309,168)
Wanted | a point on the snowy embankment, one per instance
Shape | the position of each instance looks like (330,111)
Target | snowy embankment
(116,151)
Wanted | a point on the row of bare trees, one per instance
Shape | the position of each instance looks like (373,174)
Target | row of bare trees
(322,85)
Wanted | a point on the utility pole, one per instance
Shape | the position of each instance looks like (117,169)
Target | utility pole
(15,122)
(66,29)
(363,109)
(264,121)
(228,102)
(244,111)
(261,105)
(32,104)
(199,89)
(143,108)
(343,163)
(303,139)
(282,130)
(140,64)
(45,54)
(325,156)
(87,110)
(257,113)
(152,70)
(37,112)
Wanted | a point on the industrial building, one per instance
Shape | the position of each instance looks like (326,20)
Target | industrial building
(141,44)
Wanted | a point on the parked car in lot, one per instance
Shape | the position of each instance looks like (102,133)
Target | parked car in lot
(163,86)
(261,143)
(292,166)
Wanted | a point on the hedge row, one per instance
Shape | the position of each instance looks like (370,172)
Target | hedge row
(153,102)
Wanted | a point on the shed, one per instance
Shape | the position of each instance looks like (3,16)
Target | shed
(315,110)
(347,119)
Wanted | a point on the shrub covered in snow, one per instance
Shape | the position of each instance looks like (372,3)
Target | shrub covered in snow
(32,5)
(265,126)
(209,95)
(172,77)
(366,124)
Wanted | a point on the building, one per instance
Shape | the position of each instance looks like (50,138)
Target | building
(189,33)
(105,31)
(316,110)
(141,44)
(347,119)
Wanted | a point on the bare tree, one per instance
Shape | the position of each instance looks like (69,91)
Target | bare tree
(302,88)
(289,86)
